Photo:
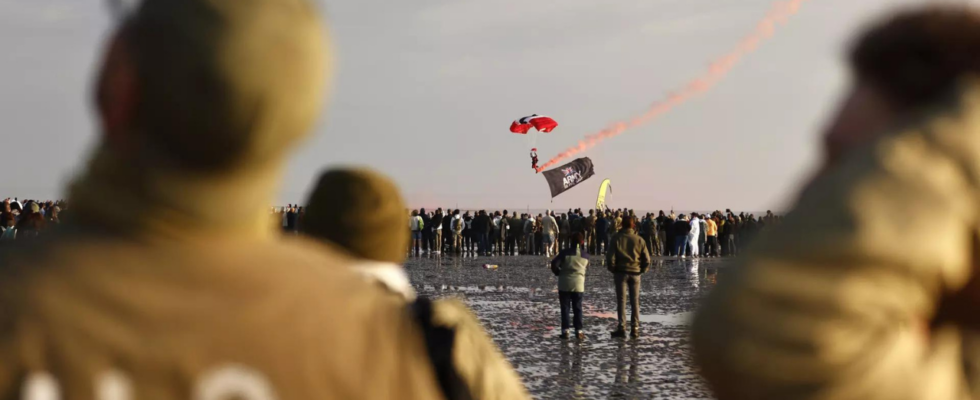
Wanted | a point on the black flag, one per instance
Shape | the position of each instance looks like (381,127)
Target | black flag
(567,176)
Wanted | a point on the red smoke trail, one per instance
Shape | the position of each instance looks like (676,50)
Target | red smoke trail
(780,12)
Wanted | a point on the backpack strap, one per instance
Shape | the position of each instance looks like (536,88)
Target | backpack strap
(439,342)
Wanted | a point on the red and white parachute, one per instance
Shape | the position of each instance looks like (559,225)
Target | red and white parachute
(538,122)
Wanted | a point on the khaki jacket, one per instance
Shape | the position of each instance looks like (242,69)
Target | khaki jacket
(835,302)
(167,317)
(484,371)
(176,285)
(628,253)
(477,360)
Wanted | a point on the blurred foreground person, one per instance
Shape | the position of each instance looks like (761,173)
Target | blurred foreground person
(167,281)
(570,266)
(362,213)
(869,288)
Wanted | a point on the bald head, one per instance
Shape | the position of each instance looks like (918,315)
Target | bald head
(217,83)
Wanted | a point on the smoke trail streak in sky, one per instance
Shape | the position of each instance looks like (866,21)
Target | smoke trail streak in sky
(779,14)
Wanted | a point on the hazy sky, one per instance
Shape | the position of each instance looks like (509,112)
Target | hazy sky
(425,91)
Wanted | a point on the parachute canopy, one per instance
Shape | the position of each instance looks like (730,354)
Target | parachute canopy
(539,122)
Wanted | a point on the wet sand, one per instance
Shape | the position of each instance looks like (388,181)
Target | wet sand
(518,305)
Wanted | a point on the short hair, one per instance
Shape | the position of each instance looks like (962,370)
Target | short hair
(223,84)
(919,56)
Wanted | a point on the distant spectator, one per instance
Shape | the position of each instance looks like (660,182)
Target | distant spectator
(9,230)
(627,259)
(31,223)
(415,226)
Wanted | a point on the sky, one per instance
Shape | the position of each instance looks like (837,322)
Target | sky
(425,90)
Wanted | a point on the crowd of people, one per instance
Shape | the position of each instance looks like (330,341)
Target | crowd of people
(28,218)
(485,233)
(172,284)
(495,233)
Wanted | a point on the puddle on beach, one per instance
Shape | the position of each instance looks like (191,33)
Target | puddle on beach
(663,319)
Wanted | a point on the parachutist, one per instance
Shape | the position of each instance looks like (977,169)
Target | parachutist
(534,159)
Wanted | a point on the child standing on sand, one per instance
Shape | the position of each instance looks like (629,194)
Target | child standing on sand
(570,266)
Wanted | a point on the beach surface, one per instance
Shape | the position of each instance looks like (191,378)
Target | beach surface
(518,305)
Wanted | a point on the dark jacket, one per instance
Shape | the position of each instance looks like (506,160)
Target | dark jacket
(565,228)
(516,227)
(447,226)
(601,226)
(628,253)
(504,227)
(682,228)
(575,225)
(730,228)
(482,224)
(437,220)
(648,227)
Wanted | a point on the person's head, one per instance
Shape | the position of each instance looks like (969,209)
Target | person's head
(578,238)
(362,212)
(422,211)
(905,64)
(198,103)
(628,223)
(415,213)
(591,212)
(212,85)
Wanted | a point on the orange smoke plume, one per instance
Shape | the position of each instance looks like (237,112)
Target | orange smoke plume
(778,15)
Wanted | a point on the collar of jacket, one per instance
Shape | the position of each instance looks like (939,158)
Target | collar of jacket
(116,196)
(391,275)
